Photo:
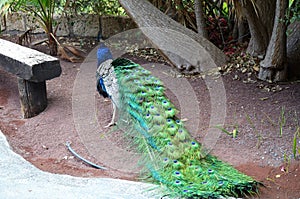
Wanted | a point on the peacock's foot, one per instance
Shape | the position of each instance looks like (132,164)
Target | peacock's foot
(110,124)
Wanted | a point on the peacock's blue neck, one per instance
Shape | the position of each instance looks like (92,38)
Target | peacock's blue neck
(103,54)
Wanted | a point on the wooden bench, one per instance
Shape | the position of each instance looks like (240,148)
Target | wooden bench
(32,69)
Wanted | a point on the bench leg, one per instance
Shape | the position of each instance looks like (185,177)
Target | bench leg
(33,97)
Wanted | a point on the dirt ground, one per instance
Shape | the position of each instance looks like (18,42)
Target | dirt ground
(259,150)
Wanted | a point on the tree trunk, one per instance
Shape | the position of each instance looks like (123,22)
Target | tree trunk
(201,27)
(293,50)
(184,48)
(51,40)
(260,20)
(239,30)
(52,45)
(242,30)
(274,66)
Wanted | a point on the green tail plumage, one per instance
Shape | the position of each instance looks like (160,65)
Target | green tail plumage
(172,157)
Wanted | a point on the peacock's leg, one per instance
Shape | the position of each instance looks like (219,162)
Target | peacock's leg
(112,122)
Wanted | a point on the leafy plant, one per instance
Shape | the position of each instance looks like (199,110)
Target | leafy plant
(232,133)
(293,11)
(296,149)
(41,10)
(287,161)
(104,7)
(282,121)
(258,135)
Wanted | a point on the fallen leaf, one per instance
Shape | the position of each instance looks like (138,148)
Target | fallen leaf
(263,98)
(256,68)
(184,119)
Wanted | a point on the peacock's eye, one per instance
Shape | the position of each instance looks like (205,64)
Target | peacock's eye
(177,182)
(177,172)
(180,131)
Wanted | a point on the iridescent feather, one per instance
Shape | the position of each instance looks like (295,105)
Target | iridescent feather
(170,155)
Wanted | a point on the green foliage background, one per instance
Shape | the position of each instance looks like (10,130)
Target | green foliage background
(103,7)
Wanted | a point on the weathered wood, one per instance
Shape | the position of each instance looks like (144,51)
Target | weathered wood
(33,97)
(32,68)
(183,47)
(27,63)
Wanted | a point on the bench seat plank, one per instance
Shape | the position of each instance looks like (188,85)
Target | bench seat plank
(27,63)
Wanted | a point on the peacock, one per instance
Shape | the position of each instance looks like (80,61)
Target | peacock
(170,156)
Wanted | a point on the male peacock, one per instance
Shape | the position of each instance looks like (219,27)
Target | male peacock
(170,155)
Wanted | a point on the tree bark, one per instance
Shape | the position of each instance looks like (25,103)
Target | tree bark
(241,30)
(184,48)
(52,42)
(293,50)
(201,27)
(52,46)
(260,19)
(274,66)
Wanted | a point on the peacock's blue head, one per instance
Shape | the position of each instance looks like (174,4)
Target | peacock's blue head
(103,54)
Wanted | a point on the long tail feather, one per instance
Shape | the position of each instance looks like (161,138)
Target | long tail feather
(172,157)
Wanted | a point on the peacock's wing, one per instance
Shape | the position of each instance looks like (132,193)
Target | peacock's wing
(107,81)
(171,156)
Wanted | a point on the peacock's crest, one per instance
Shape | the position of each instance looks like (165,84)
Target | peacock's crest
(171,157)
